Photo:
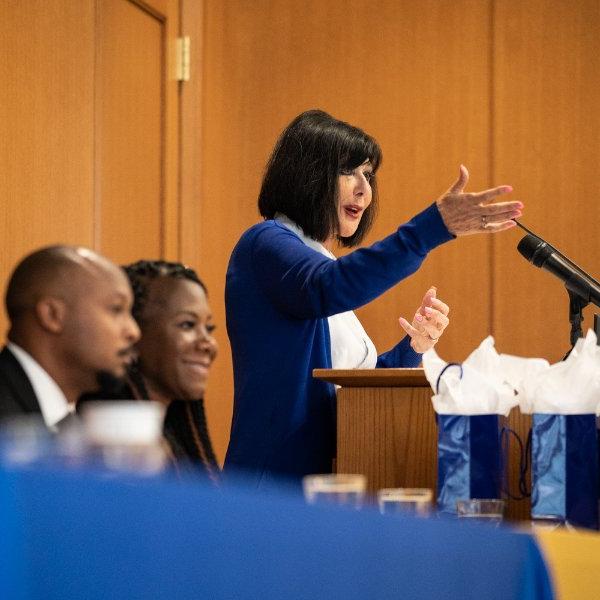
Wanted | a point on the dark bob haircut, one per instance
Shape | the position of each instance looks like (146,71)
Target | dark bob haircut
(301,178)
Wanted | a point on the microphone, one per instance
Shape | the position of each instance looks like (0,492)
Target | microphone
(545,256)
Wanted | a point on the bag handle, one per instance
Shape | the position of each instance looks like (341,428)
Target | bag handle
(524,462)
(451,364)
(524,451)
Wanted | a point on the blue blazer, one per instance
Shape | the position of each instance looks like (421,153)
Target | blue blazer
(278,295)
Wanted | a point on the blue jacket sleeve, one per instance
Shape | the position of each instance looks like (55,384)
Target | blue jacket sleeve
(305,284)
(401,355)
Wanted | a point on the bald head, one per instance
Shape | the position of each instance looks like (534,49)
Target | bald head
(70,309)
(59,271)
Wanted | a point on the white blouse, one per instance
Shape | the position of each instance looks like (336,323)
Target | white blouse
(351,347)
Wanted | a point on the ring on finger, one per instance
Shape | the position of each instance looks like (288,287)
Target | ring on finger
(484,222)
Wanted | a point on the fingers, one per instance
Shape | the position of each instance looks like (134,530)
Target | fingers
(500,208)
(498,227)
(459,185)
(488,219)
(420,339)
(430,301)
(488,195)
(439,305)
(409,328)
(470,213)
(435,323)
(429,322)
(498,217)
(427,299)
(431,325)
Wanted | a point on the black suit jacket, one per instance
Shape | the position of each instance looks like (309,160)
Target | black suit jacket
(16,393)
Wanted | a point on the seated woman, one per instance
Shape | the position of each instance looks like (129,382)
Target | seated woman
(174,358)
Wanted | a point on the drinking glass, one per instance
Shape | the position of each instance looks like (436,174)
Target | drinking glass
(482,509)
(546,522)
(415,501)
(25,440)
(126,435)
(335,489)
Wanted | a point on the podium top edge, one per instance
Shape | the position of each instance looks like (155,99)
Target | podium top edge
(373,377)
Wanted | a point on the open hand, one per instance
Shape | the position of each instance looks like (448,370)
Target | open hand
(468,213)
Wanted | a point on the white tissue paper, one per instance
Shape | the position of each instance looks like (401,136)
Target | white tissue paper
(488,384)
(570,387)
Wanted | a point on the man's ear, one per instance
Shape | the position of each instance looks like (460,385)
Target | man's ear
(51,313)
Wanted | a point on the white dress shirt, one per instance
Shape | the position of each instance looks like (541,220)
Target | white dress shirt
(50,397)
(351,347)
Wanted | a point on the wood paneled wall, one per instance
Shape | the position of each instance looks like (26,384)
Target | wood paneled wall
(509,88)
(547,144)
(46,127)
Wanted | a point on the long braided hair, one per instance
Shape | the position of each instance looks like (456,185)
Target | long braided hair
(185,427)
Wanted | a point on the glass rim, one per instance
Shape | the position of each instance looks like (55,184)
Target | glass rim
(340,482)
(498,503)
(480,500)
(412,493)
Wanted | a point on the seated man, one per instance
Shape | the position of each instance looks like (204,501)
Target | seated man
(70,328)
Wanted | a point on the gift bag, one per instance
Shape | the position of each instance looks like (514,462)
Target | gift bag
(470,459)
(563,402)
(471,401)
(564,461)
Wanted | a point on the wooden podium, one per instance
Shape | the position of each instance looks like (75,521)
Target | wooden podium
(386,430)
(385,426)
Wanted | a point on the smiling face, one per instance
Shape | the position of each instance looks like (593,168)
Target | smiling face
(354,195)
(177,346)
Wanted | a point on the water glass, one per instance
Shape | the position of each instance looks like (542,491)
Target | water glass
(546,523)
(490,510)
(343,489)
(25,440)
(412,501)
(126,435)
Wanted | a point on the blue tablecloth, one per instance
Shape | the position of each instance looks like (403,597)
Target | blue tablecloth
(77,535)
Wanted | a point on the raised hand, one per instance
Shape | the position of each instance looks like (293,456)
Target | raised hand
(429,322)
(469,213)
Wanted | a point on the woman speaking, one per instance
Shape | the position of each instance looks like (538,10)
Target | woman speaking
(289,302)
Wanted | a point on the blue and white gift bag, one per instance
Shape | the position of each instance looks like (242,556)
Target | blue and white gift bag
(470,459)
(564,462)
(471,401)
(564,444)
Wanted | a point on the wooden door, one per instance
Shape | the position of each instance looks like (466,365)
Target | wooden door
(89,127)
(136,130)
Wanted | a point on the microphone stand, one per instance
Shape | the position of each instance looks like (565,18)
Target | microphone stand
(576,306)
